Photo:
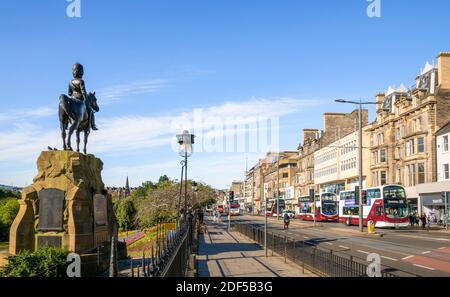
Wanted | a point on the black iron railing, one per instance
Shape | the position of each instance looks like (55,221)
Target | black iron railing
(316,259)
(170,257)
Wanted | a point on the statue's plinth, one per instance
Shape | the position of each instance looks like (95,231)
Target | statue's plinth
(67,206)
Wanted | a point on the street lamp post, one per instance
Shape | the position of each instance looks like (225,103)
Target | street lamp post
(360,155)
(278,186)
(185,141)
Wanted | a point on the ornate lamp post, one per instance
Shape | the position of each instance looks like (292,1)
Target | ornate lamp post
(185,140)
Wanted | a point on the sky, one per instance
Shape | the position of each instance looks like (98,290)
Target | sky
(263,69)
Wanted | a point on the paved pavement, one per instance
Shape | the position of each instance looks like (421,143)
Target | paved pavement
(230,254)
(421,252)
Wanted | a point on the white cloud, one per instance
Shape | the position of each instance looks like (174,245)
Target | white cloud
(27,114)
(114,93)
(127,135)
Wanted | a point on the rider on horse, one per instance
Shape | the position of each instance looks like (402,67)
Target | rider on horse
(77,90)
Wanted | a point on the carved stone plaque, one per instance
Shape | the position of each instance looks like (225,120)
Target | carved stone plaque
(51,241)
(51,210)
(100,210)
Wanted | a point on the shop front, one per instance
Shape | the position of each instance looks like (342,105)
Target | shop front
(433,206)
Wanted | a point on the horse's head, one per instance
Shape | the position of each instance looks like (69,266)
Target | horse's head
(93,102)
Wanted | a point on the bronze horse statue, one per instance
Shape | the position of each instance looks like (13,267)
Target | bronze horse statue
(76,113)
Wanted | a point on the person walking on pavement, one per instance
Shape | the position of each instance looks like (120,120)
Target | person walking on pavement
(286,221)
(423,219)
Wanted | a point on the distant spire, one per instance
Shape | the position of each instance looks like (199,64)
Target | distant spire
(127,188)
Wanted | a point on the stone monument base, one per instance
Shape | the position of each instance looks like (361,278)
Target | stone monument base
(67,206)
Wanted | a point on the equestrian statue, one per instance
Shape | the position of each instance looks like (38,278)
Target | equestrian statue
(76,111)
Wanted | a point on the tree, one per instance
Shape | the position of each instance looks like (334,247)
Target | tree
(125,211)
(8,210)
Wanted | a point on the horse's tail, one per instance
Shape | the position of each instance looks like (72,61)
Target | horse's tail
(64,115)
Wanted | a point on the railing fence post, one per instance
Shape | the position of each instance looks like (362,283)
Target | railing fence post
(285,249)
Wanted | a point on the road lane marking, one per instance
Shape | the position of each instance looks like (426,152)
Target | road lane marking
(329,243)
(425,267)
(344,247)
(364,252)
(427,252)
(389,258)
(405,258)
(442,248)
(306,237)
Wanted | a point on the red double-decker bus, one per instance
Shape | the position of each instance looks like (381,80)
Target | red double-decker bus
(386,206)
(323,208)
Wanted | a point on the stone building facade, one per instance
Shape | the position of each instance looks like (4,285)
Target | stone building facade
(403,146)
(335,126)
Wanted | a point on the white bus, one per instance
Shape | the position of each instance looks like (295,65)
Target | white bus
(386,206)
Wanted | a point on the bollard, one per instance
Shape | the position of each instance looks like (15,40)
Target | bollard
(131,267)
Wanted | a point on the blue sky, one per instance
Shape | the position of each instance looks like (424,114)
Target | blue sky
(153,63)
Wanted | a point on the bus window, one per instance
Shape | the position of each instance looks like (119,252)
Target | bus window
(379,211)
(351,211)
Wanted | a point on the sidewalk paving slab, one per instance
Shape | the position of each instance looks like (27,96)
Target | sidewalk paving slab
(230,254)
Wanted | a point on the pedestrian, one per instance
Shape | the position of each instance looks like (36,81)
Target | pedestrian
(411,219)
(286,221)
(423,218)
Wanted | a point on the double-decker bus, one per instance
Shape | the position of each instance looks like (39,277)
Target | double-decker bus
(272,207)
(323,208)
(386,206)
(235,209)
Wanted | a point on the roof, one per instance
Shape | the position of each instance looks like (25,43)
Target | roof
(444,129)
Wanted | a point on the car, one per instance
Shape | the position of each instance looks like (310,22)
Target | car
(291,213)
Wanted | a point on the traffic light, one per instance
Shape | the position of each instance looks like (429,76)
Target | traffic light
(231,196)
(357,198)
(312,194)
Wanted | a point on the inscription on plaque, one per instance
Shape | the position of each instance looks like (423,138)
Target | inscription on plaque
(51,241)
(100,210)
(51,209)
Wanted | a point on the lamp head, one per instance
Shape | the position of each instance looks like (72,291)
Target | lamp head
(185,140)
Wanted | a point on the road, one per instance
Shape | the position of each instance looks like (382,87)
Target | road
(420,252)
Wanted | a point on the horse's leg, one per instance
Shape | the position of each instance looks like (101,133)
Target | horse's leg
(86,136)
(63,119)
(71,130)
(78,140)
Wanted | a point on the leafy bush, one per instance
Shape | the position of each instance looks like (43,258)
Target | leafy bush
(45,262)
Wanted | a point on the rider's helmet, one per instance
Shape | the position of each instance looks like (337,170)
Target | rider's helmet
(77,70)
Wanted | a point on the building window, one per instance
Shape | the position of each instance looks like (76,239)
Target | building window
(446,171)
(410,147)
(397,134)
(375,157)
(383,178)
(380,138)
(421,173)
(418,124)
(446,143)
(421,145)
(397,153)
(398,177)
(285,175)
(383,155)
(412,175)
